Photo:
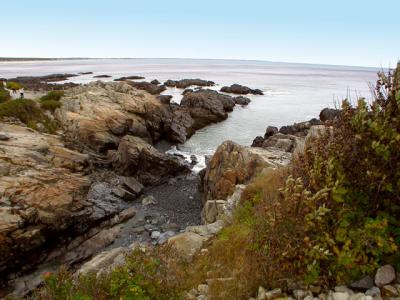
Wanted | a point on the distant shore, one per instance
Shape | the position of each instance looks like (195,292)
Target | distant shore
(11,59)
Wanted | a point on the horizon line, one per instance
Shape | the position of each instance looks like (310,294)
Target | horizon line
(27,59)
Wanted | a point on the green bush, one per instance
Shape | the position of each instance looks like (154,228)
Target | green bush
(50,104)
(144,276)
(14,85)
(4,95)
(53,95)
(51,101)
(28,112)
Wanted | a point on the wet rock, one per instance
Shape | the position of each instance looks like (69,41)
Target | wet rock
(85,73)
(241,100)
(329,114)
(184,83)
(155,82)
(102,76)
(364,283)
(148,87)
(193,160)
(299,128)
(240,89)
(258,141)
(270,131)
(206,107)
(281,141)
(133,77)
(165,99)
(385,275)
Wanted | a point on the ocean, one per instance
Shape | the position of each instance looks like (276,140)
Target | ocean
(292,92)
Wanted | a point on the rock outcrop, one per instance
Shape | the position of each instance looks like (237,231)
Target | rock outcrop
(234,164)
(287,138)
(96,116)
(133,77)
(241,90)
(149,87)
(136,157)
(185,83)
(43,192)
(329,114)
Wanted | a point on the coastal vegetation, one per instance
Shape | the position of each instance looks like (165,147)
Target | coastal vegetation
(51,100)
(4,95)
(29,113)
(11,85)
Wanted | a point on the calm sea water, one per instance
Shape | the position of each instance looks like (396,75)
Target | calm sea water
(293,92)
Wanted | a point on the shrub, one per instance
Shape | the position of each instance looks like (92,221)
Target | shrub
(53,95)
(50,104)
(145,275)
(4,95)
(14,85)
(28,112)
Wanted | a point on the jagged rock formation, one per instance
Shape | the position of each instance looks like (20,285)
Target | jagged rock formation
(234,164)
(43,192)
(185,83)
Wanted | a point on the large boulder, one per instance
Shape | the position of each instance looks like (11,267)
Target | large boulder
(135,157)
(241,90)
(234,164)
(97,115)
(207,106)
(329,114)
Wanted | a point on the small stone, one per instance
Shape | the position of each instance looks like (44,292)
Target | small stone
(343,289)
(273,294)
(132,185)
(341,296)
(315,289)
(155,235)
(201,297)
(149,200)
(374,291)
(4,136)
(385,275)
(123,194)
(364,283)
(301,294)
(203,289)
(358,296)
(261,295)
(389,291)
(309,297)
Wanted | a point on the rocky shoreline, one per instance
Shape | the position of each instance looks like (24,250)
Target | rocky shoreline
(99,182)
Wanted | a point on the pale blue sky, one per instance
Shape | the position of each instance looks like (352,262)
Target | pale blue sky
(363,33)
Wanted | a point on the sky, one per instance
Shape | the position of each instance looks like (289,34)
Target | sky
(340,32)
